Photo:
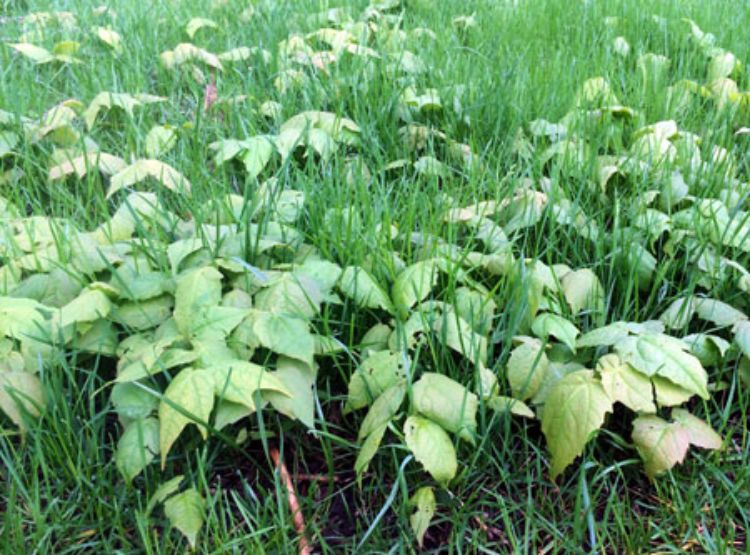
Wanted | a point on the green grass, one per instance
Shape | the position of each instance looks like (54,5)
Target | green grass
(59,489)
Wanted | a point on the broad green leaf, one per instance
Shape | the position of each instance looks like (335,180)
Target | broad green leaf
(476,308)
(424,501)
(195,292)
(192,391)
(257,154)
(90,305)
(622,383)
(527,369)
(661,444)
(186,511)
(573,411)
(583,291)
(368,450)
(141,170)
(132,402)
(548,324)
(137,447)
(299,380)
(667,357)
(432,447)
(20,393)
(286,335)
(457,334)
(447,403)
(382,410)
(21,317)
(378,372)
(162,492)
(719,313)
(709,349)
(669,394)
(413,285)
(160,140)
(238,380)
(228,413)
(679,313)
(357,284)
(291,294)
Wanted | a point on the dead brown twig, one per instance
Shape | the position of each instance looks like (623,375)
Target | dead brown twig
(299,521)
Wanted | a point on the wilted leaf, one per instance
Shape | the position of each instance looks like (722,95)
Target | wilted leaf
(424,501)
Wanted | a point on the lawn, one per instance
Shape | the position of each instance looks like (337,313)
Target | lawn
(407,276)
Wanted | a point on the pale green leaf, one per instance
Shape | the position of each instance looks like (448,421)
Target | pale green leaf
(192,391)
(378,372)
(424,501)
(20,394)
(382,410)
(141,170)
(667,357)
(583,291)
(137,447)
(622,383)
(299,380)
(527,368)
(573,411)
(699,433)
(432,447)
(414,284)
(186,511)
(286,335)
(357,284)
(160,140)
(661,444)
(548,324)
(238,380)
(195,292)
(368,450)
(447,403)
(198,23)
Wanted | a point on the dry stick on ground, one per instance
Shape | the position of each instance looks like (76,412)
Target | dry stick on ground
(299,521)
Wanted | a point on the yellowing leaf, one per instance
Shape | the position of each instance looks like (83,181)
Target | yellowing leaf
(661,444)
(527,369)
(109,37)
(237,381)
(359,285)
(191,393)
(424,501)
(382,410)
(143,169)
(377,373)
(20,393)
(622,383)
(574,410)
(699,433)
(413,284)
(299,380)
(667,357)
(80,165)
(186,511)
(583,291)
(196,291)
(186,53)
(548,324)
(109,100)
(447,403)
(137,447)
(432,447)
(36,54)
(159,140)
(198,23)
